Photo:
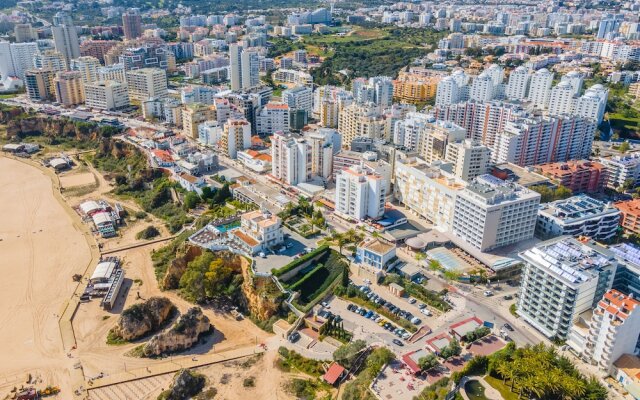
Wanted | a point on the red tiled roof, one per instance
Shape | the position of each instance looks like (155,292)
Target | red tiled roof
(333,373)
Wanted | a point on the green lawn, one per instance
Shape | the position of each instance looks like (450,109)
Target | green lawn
(504,390)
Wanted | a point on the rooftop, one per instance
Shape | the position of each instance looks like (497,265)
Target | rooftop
(569,260)
(630,364)
(618,304)
(629,207)
(575,208)
(493,190)
(465,326)
(378,246)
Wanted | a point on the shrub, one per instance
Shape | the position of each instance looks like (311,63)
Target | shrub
(148,233)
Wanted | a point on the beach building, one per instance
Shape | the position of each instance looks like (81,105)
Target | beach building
(460,329)
(105,282)
(376,253)
(258,231)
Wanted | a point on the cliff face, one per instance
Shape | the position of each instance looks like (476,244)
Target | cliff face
(178,266)
(181,336)
(143,318)
(261,297)
(46,126)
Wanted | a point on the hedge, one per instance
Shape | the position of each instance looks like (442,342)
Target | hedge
(296,263)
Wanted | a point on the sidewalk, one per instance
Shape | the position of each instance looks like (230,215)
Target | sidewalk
(173,365)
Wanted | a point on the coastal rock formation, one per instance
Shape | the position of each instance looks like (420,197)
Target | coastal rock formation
(181,336)
(178,266)
(143,318)
(185,385)
(260,295)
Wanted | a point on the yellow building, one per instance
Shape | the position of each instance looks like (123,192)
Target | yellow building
(69,88)
(193,115)
(414,88)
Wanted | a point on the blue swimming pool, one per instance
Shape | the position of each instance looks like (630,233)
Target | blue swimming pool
(228,227)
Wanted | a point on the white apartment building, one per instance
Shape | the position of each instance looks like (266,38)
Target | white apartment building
(321,146)
(360,194)
(210,133)
(88,67)
(540,88)
(561,99)
(592,104)
(602,335)
(198,94)
(483,121)
(621,169)
(274,117)
(146,83)
(293,76)
(299,98)
(562,278)
(518,86)
(16,58)
(429,191)
(482,88)
(408,132)
(575,79)
(452,89)
(113,72)
(259,231)
(106,95)
(377,90)
(469,157)
(491,213)
(579,215)
(435,138)
(236,136)
(290,158)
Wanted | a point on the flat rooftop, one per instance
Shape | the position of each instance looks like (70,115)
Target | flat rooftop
(576,207)
(569,260)
(519,175)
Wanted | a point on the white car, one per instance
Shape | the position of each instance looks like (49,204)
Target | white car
(426,312)
(488,293)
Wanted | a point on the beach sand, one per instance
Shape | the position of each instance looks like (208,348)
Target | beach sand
(41,249)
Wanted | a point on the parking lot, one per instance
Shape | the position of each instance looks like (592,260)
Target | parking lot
(403,302)
(279,259)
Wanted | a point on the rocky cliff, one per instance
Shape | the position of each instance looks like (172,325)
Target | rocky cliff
(181,336)
(260,295)
(21,125)
(142,319)
(185,254)
(185,385)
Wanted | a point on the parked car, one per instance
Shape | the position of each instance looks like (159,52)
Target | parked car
(362,311)
(488,293)
(426,312)
(368,314)
(350,307)
(406,335)
(412,300)
(508,327)
(508,297)
(422,306)
(416,321)
(397,342)
(294,337)
(325,304)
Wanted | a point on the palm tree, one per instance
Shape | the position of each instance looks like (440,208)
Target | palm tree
(505,371)
(337,239)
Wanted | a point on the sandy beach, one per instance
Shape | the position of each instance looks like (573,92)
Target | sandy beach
(41,249)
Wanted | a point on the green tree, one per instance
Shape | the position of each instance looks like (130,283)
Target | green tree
(347,354)
(624,147)
(427,362)
(191,200)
